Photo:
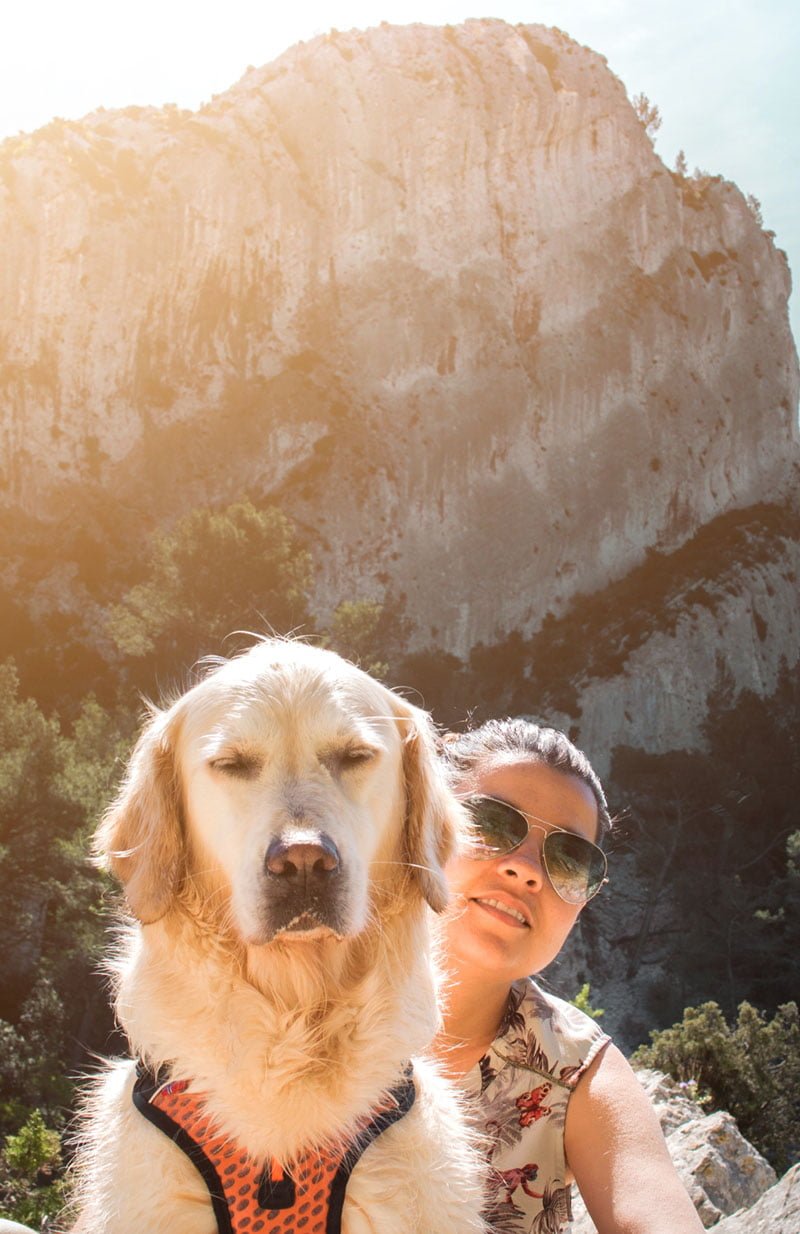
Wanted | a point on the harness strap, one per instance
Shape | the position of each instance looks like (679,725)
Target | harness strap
(250,1197)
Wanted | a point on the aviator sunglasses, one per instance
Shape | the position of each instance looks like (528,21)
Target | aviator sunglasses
(575,867)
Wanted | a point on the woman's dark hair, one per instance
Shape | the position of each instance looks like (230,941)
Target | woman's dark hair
(521,741)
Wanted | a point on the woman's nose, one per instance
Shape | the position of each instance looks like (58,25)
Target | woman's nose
(525,864)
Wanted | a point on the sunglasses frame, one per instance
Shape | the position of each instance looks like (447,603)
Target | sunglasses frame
(549,829)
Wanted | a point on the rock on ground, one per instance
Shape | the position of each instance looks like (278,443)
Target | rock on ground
(777,1212)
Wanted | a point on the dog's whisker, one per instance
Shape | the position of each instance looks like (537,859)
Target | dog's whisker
(409,865)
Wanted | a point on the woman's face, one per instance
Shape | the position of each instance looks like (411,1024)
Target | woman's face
(481,935)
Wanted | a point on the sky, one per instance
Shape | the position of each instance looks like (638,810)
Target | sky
(724,73)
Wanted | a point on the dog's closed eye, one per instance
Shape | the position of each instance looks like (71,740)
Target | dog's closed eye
(236,763)
(348,758)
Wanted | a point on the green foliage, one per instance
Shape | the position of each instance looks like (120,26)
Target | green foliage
(29,766)
(31,1073)
(217,571)
(34,815)
(29,1164)
(52,786)
(93,757)
(582,1002)
(355,634)
(750,1068)
(92,760)
(33,1147)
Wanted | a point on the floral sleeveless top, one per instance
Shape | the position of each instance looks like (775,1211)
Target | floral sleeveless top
(523,1085)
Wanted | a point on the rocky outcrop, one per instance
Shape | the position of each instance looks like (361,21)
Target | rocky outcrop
(636,663)
(440,273)
(777,1212)
(726,1173)
(723,1173)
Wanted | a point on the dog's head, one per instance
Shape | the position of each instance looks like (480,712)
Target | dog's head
(283,784)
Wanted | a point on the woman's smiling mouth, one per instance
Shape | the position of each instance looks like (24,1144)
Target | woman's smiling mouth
(503,912)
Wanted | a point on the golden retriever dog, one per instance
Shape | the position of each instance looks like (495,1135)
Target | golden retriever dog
(280,837)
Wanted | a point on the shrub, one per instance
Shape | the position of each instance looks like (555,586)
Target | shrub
(29,1164)
(33,1148)
(583,1003)
(750,1068)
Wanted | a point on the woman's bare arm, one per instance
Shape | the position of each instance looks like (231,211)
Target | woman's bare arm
(617,1154)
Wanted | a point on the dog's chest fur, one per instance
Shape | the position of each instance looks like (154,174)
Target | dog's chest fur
(289,1049)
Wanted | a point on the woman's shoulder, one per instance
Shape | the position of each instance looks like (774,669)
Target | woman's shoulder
(543,1032)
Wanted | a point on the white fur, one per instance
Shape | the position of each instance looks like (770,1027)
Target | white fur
(293,1038)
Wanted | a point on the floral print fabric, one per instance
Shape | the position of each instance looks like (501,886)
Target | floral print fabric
(523,1085)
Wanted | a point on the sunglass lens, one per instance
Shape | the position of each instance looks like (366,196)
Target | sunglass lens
(499,826)
(575,866)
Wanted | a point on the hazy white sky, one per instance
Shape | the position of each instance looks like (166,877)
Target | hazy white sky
(723,72)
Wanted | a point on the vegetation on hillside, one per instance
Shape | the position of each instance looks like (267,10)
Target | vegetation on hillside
(216,572)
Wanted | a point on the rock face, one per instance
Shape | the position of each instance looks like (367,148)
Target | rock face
(431,292)
(440,273)
(721,1171)
(777,1212)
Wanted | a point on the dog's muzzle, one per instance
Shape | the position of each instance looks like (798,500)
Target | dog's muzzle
(304,883)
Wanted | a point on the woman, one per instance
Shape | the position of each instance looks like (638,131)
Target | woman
(558,1101)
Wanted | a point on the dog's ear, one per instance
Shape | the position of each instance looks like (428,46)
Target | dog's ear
(140,839)
(432,814)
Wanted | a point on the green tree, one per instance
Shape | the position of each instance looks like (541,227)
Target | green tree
(93,757)
(355,633)
(33,1146)
(29,1163)
(217,571)
(32,1071)
(52,786)
(33,813)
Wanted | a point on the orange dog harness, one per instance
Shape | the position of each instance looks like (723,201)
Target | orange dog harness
(251,1198)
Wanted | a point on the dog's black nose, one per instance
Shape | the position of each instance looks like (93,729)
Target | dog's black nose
(303,856)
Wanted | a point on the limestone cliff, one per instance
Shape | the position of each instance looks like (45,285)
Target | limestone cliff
(433,292)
